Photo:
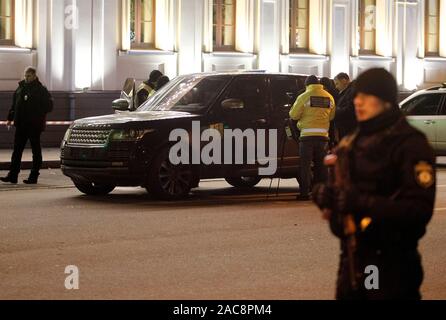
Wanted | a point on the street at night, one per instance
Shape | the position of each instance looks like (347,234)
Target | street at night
(218,244)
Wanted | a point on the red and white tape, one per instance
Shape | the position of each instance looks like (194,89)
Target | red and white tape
(48,123)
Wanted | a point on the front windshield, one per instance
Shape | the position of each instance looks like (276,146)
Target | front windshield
(188,94)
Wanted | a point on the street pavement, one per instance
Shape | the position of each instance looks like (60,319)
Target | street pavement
(218,244)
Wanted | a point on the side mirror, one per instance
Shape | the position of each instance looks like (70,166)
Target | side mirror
(120,105)
(232,104)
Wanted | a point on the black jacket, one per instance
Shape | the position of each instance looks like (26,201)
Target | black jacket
(345,119)
(31,103)
(392,167)
(388,161)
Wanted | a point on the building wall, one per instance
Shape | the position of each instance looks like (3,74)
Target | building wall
(78,44)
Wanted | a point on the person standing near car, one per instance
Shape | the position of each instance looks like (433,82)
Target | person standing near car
(147,87)
(382,196)
(31,103)
(345,120)
(330,87)
(313,110)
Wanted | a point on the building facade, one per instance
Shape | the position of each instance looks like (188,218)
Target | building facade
(94,45)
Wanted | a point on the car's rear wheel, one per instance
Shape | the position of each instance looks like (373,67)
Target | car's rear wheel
(167,181)
(243,182)
(94,189)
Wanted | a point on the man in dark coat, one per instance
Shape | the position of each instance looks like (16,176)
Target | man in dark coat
(31,103)
(345,120)
(382,197)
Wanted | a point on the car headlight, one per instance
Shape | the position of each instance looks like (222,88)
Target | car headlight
(66,137)
(128,134)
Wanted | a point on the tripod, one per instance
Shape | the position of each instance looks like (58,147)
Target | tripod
(291,134)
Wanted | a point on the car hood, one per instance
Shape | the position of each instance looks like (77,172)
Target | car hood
(128,117)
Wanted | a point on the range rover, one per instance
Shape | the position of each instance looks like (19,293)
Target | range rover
(131,147)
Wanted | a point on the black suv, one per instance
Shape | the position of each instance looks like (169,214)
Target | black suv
(131,148)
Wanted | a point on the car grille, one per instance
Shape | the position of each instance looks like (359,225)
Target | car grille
(89,137)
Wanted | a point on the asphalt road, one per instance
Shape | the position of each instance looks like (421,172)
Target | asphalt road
(219,244)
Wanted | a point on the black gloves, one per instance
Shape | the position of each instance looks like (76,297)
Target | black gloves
(324,196)
(340,200)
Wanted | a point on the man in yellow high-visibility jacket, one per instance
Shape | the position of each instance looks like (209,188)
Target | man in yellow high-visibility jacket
(147,87)
(313,110)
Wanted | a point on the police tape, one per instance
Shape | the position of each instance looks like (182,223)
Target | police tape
(48,123)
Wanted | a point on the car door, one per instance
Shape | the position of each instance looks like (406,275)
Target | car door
(251,90)
(422,113)
(284,90)
(440,126)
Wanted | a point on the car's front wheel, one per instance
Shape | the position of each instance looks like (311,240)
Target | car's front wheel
(167,181)
(244,182)
(94,189)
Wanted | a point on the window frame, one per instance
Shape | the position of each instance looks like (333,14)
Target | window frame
(294,8)
(4,42)
(426,31)
(137,44)
(361,9)
(217,42)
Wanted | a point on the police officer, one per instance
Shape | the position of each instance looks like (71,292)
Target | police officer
(385,183)
(31,103)
(313,110)
(147,87)
(162,81)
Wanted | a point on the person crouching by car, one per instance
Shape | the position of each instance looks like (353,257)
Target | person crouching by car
(148,87)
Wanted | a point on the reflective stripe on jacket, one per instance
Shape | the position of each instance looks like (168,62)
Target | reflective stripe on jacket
(314,110)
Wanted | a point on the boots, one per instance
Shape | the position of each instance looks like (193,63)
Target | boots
(10,178)
(33,178)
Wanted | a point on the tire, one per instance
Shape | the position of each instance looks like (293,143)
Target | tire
(167,181)
(94,189)
(244,182)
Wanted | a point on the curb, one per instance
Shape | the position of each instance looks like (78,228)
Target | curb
(27,165)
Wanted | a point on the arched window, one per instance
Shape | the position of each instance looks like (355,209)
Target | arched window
(432,33)
(224,15)
(367,26)
(142,24)
(299,25)
(6,22)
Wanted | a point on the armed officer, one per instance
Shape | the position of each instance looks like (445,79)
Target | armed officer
(382,196)
(313,110)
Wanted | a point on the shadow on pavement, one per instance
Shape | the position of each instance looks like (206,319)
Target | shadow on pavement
(198,197)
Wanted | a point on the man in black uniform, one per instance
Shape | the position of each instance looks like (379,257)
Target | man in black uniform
(345,120)
(385,181)
(31,103)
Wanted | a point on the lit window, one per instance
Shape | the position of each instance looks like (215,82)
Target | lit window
(142,24)
(432,27)
(224,25)
(299,25)
(367,26)
(6,22)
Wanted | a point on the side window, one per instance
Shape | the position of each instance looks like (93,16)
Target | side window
(203,93)
(424,105)
(284,90)
(252,91)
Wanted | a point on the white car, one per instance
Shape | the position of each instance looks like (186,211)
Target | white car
(426,110)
